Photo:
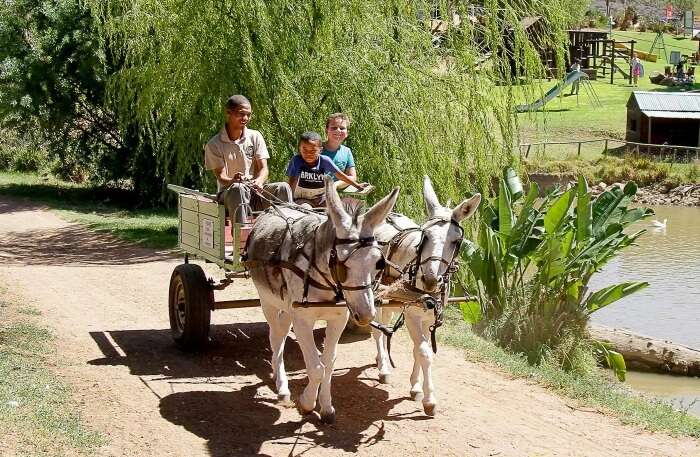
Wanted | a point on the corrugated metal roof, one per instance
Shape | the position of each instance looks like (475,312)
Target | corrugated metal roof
(667,101)
(673,114)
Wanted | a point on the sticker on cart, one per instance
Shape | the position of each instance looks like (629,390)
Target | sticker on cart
(206,239)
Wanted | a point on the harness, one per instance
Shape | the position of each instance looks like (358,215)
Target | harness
(336,267)
(415,265)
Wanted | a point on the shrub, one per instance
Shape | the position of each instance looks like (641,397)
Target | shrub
(532,263)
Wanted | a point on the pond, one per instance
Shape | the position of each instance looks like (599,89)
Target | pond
(669,259)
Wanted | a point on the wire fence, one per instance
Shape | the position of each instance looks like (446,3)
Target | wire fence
(590,149)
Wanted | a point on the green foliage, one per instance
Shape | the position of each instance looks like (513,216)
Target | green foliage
(53,76)
(533,261)
(417,108)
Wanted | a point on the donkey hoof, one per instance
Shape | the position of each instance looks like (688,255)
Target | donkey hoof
(416,395)
(328,418)
(284,399)
(384,378)
(429,409)
(303,411)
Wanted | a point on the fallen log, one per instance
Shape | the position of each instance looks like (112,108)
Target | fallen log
(645,353)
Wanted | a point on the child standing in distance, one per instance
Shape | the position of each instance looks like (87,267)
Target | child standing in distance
(576,66)
(337,127)
(637,69)
(306,171)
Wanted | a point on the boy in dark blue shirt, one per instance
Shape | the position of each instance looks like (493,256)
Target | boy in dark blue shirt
(306,171)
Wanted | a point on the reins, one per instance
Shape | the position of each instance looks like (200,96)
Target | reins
(415,265)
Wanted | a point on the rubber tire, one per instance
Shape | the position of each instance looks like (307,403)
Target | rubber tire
(191,299)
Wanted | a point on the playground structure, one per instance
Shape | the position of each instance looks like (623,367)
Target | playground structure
(598,52)
(571,78)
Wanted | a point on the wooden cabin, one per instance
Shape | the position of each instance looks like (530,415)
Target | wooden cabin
(664,118)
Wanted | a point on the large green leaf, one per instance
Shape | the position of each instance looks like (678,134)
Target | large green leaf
(505,211)
(557,212)
(636,214)
(613,359)
(471,311)
(611,294)
(584,210)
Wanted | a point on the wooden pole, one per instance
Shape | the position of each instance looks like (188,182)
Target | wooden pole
(631,56)
(612,61)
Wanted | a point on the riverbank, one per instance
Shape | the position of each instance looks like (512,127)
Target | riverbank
(658,194)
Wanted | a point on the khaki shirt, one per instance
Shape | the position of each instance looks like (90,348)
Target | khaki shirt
(235,156)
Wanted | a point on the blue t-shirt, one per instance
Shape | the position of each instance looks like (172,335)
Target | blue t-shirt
(310,176)
(342,158)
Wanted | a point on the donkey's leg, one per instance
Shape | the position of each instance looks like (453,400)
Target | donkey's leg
(423,353)
(334,329)
(415,334)
(280,323)
(429,399)
(383,364)
(304,330)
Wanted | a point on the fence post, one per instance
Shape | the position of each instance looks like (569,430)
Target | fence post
(579,149)
(544,150)
(527,153)
(605,151)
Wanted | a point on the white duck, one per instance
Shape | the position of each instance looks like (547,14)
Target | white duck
(657,224)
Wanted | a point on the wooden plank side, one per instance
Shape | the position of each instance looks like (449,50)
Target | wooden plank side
(198,250)
(188,228)
(189,216)
(188,202)
(209,208)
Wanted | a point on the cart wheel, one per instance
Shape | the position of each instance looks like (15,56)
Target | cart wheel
(190,302)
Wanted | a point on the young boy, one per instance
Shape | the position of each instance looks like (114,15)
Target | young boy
(337,125)
(306,171)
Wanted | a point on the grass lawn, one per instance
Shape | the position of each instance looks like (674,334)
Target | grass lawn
(97,209)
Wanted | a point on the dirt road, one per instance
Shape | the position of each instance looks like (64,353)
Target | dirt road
(107,303)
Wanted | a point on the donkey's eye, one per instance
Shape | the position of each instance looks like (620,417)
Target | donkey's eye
(381,264)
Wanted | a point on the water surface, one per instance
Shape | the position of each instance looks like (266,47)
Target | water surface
(669,259)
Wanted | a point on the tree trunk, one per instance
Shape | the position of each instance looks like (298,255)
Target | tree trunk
(644,353)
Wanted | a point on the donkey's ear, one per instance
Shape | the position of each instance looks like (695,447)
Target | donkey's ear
(431,201)
(334,206)
(378,213)
(466,208)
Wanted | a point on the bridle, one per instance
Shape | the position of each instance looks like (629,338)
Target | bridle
(412,268)
(415,265)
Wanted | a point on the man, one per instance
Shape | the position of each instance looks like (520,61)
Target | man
(236,155)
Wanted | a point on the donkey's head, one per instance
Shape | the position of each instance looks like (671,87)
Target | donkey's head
(358,257)
(442,236)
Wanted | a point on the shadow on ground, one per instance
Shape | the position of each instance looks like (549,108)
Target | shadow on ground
(229,410)
(67,245)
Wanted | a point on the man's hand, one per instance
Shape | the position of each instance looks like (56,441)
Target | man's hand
(237,177)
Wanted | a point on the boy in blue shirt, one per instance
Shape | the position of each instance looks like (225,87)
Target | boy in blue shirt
(306,171)
(337,126)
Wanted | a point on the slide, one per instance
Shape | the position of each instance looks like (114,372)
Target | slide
(553,92)
(641,54)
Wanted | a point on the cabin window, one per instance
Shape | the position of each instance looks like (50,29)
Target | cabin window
(633,125)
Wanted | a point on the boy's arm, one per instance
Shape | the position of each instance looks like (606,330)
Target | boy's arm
(293,181)
(350,180)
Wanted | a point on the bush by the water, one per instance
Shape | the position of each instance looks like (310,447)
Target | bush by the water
(532,262)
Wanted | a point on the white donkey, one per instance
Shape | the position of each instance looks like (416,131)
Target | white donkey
(297,258)
(423,254)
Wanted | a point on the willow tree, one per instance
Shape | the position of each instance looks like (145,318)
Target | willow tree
(421,102)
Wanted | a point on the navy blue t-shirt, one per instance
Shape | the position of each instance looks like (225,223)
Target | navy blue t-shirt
(310,183)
